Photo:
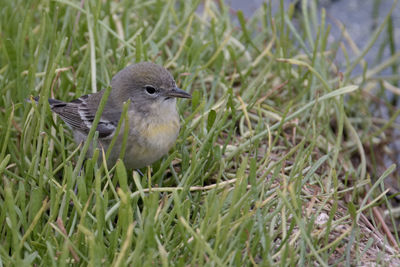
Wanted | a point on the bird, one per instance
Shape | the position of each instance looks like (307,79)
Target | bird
(153,118)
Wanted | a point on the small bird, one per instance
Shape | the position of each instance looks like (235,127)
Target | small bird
(153,118)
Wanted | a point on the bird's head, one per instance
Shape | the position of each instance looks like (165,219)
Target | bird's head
(146,84)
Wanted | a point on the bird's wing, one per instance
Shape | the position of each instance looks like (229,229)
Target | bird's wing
(79,114)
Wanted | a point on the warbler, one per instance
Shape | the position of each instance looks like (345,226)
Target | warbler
(152,114)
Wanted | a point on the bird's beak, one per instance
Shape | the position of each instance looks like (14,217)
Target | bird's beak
(176,92)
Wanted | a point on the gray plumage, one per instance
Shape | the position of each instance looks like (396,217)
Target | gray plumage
(153,119)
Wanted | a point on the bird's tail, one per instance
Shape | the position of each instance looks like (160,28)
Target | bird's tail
(52,102)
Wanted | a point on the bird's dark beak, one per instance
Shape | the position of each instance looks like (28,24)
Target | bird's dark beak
(176,92)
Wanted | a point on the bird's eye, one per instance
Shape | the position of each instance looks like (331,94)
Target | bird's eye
(150,89)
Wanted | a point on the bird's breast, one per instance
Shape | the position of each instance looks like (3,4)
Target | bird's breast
(151,138)
(161,135)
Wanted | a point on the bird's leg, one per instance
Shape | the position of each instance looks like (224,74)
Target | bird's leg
(80,172)
(140,173)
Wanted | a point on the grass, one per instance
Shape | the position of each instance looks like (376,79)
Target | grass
(279,158)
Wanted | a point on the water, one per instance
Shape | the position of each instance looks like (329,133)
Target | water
(360,17)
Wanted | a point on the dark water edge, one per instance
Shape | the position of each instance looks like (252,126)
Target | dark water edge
(360,17)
